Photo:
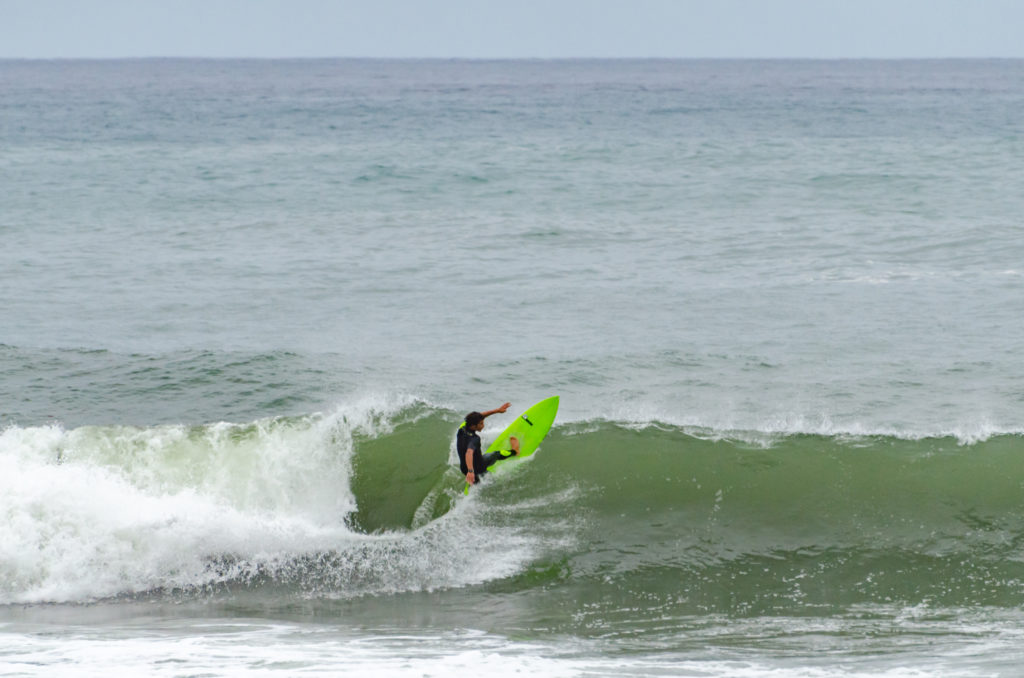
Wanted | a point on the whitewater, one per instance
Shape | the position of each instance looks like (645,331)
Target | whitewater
(244,306)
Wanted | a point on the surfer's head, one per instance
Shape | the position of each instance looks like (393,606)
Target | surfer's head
(474,421)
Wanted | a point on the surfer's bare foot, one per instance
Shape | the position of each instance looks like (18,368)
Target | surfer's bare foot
(514,444)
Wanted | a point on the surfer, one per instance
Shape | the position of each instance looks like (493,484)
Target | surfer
(472,460)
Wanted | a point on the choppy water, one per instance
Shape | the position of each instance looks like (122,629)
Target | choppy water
(244,304)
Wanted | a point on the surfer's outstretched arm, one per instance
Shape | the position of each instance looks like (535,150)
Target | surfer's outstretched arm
(499,410)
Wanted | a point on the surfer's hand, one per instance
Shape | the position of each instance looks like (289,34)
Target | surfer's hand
(504,407)
(470,477)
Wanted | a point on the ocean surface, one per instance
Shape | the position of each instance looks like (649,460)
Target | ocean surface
(244,306)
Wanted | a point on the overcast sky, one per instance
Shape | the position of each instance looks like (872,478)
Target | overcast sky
(512,28)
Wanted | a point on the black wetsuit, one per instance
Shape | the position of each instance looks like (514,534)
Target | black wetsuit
(469,440)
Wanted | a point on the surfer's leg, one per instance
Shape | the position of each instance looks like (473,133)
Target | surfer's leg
(492,457)
(514,444)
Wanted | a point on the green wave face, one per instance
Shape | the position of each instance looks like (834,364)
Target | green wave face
(752,523)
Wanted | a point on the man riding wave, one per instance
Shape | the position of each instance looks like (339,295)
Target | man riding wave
(472,461)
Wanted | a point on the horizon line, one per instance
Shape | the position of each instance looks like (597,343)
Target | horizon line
(509,58)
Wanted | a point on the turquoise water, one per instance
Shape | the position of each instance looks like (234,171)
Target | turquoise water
(245,304)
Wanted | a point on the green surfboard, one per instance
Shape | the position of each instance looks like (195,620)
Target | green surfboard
(530,427)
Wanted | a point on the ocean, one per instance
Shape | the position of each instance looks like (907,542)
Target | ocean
(244,306)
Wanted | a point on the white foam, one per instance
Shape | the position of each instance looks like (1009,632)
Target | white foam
(234,648)
(101,512)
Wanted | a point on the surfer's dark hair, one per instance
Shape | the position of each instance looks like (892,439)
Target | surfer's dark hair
(474,418)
